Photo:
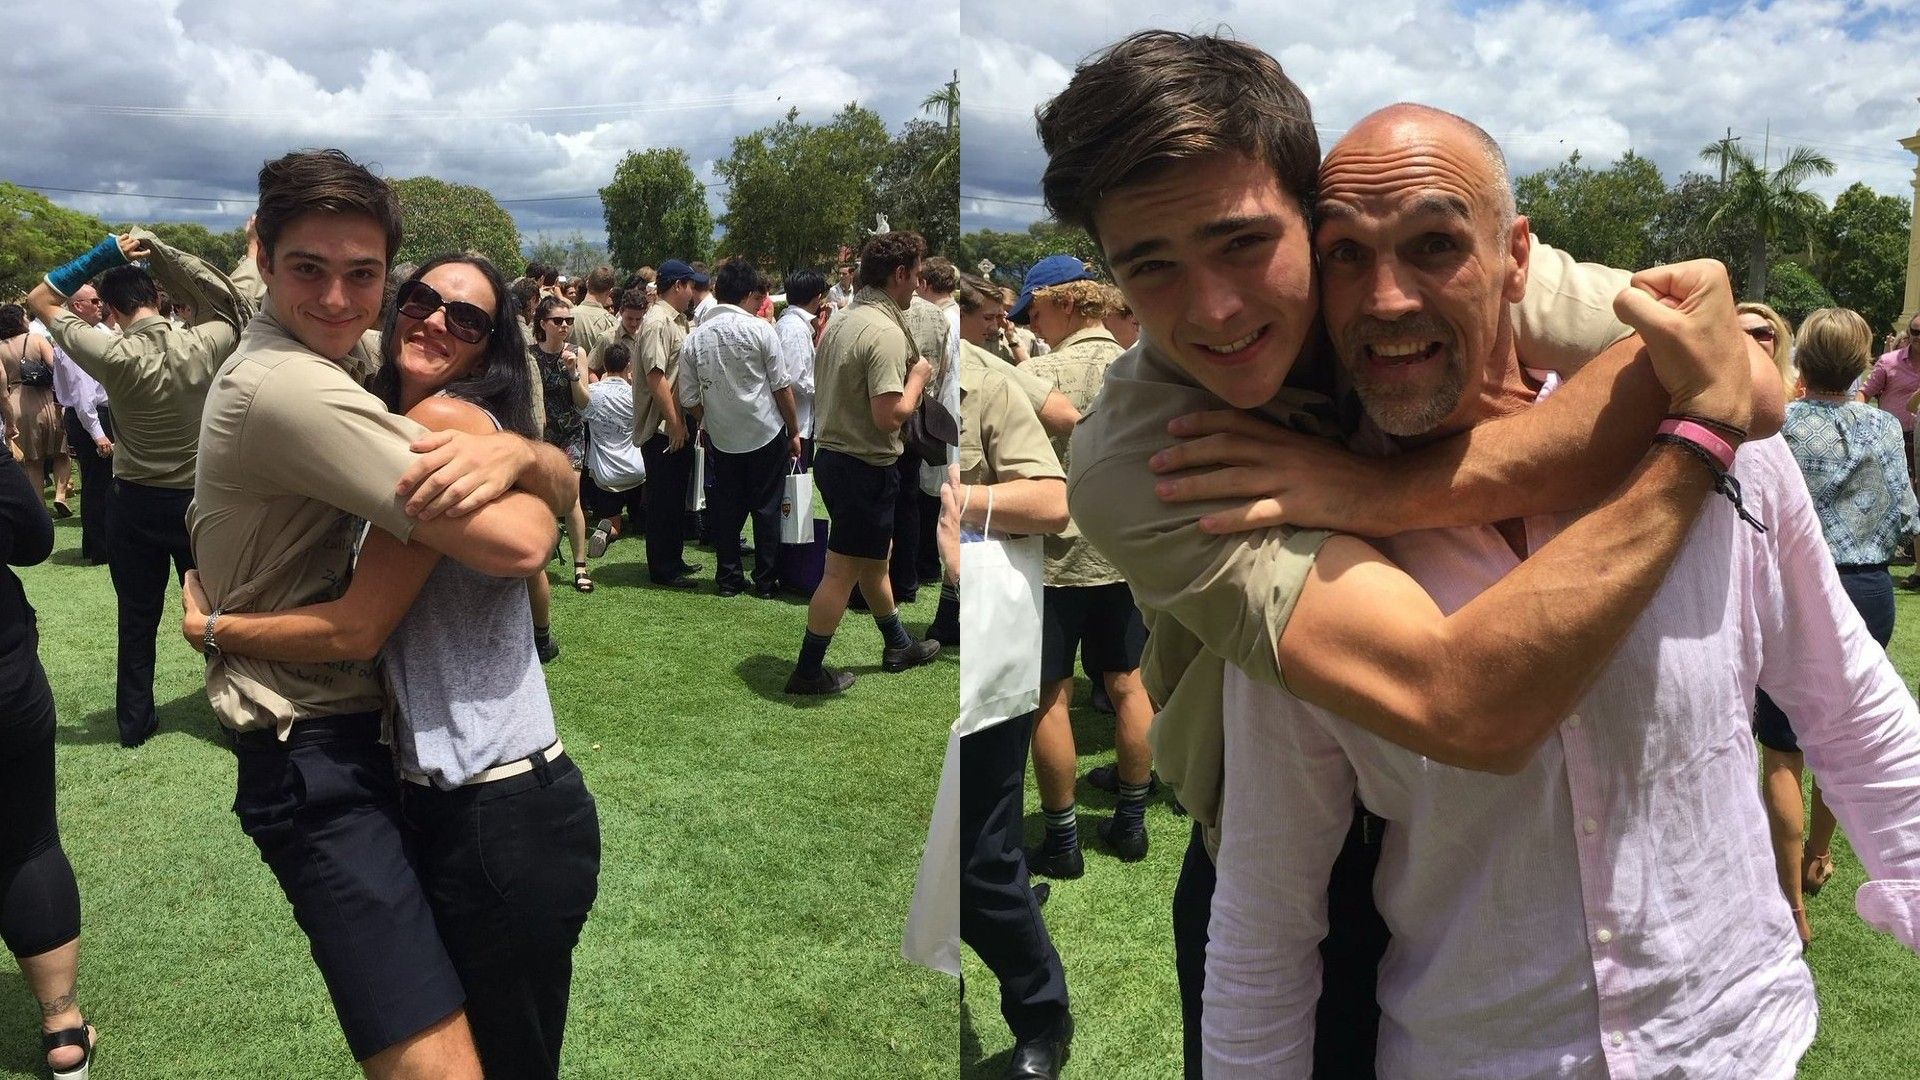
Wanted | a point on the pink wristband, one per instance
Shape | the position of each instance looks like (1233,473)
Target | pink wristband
(1701,436)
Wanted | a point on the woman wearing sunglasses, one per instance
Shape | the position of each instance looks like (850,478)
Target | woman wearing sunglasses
(563,386)
(508,835)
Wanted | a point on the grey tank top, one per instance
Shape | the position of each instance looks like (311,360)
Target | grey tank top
(465,681)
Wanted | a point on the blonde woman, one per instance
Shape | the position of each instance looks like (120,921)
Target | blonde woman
(1765,326)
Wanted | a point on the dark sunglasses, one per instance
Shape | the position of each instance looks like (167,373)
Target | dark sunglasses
(1760,333)
(563,320)
(466,322)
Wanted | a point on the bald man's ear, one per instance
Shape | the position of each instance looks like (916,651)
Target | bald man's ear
(1519,250)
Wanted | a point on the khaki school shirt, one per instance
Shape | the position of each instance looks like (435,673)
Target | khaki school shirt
(294,454)
(1000,433)
(155,373)
(1213,600)
(593,326)
(1077,368)
(662,332)
(865,353)
(927,329)
(1034,388)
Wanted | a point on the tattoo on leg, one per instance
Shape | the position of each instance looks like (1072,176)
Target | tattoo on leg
(63,1003)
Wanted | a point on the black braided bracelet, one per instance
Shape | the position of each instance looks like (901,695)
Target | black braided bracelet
(1724,483)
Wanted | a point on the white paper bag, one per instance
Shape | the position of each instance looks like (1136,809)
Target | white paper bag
(796,508)
(933,922)
(697,482)
(999,628)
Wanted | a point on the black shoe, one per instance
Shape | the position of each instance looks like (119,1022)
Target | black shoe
(1128,843)
(681,582)
(729,590)
(1041,892)
(688,568)
(1107,778)
(829,681)
(1041,1056)
(898,660)
(140,739)
(766,592)
(1064,863)
(947,636)
(547,649)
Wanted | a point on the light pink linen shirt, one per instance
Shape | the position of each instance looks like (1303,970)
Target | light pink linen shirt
(1612,910)
(1894,380)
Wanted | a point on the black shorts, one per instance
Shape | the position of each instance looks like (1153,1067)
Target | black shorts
(324,810)
(1102,616)
(859,500)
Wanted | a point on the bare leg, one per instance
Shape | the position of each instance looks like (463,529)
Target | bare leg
(63,477)
(1133,716)
(51,976)
(1780,790)
(1817,866)
(1056,762)
(829,603)
(36,476)
(577,530)
(540,599)
(442,1052)
(876,586)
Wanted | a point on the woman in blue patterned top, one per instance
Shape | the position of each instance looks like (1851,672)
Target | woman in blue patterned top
(1856,470)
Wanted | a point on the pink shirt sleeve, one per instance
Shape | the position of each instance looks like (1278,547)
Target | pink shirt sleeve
(1854,718)
(1876,380)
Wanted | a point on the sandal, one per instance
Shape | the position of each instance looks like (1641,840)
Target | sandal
(83,1037)
(581,581)
(61,509)
(1814,872)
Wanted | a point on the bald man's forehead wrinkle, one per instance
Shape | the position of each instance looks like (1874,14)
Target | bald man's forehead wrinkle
(1451,180)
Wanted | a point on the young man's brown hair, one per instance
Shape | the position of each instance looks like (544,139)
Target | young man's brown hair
(323,181)
(1159,97)
(602,279)
(887,252)
(939,274)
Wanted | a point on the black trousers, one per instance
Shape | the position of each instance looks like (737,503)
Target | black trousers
(928,567)
(903,568)
(147,530)
(39,902)
(1347,1019)
(511,869)
(667,478)
(999,917)
(96,484)
(747,485)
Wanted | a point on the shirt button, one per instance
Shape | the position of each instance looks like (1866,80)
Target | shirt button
(1573,720)
(1618,1038)
(1591,826)
(1604,936)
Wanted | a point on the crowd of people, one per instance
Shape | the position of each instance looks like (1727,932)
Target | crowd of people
(1475,795)
(358,474)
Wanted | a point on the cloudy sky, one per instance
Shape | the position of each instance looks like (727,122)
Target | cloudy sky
(1546,77)
(185,98)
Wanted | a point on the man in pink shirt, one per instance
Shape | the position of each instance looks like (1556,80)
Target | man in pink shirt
(1608,910)
(1892,384)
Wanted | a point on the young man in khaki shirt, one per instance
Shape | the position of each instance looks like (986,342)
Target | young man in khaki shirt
(594,322)
(1207,239)
(294,454)
(661,430)
(157,375)
(868,380)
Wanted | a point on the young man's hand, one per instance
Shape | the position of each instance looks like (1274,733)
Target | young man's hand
(1684,312)
(1286,477)
(458,473)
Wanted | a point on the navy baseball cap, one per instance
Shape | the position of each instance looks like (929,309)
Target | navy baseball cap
(1050,271)
(673,270)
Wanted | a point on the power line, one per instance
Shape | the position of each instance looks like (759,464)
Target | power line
(1011,202)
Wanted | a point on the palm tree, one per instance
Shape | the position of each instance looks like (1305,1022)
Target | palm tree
(945,102)
(1773,202)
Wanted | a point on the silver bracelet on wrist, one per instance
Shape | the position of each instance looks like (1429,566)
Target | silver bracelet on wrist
(207,638)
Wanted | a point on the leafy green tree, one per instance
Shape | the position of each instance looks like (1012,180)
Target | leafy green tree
(1679,230)
(918,183)
(1774,203)
(1862,245)
(1013,253)
(1794,292)
(36,236)
(656,210)
(442,217)
(223,250)
(797,192)
(572,255)
(1596,215)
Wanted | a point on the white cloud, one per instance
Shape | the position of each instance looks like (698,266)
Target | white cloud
(1546,77)
(188,97)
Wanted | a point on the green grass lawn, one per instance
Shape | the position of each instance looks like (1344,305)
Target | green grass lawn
(1114,931)
(758,860)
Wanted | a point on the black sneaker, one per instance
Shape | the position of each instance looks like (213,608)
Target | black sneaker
(828,681)
(898,660)
(766,592)
(729,590)
(547,649)
(1128,843)
(1057,860)
(1107,778)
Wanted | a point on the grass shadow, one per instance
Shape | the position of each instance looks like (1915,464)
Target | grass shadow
(19,1027)
(972,1065)
(188,714)
(71,557)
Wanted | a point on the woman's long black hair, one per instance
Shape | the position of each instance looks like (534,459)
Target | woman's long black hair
(498,383)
